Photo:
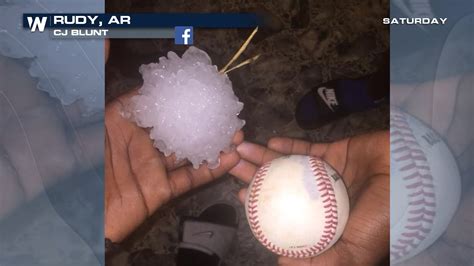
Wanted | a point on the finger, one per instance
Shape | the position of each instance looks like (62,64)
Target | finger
(147,168)
(186,178)
(172,164)
(238,138)
(121,191)
(242,195)
(296,146)
(244,171)
(256,154)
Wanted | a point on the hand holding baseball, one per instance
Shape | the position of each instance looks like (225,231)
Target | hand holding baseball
(364,163)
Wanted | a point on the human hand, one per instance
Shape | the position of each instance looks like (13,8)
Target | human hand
(364,164)
(139,179)
(41,141)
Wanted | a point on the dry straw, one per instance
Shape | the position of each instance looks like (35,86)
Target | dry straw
(242,48)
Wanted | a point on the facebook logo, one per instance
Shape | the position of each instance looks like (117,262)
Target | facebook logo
(183,35)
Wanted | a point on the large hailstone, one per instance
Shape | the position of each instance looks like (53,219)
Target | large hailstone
(189,106)
(69,70)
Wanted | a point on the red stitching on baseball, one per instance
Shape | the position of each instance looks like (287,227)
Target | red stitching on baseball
(325,188)
(418,180)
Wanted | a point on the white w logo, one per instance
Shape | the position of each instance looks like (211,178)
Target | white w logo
(37,23)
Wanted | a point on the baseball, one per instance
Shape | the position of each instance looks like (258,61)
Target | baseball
(425,186)
(297,206)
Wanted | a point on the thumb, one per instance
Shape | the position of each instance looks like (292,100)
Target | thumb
(242,194)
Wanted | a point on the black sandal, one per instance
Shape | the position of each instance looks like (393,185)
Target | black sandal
(335,99)
(206,239)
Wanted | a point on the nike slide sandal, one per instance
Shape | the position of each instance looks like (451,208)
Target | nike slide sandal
(335,99)
(319,107)
(206,239)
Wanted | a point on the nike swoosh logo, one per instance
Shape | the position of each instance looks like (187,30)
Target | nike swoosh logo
(322,93)
(209,234)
